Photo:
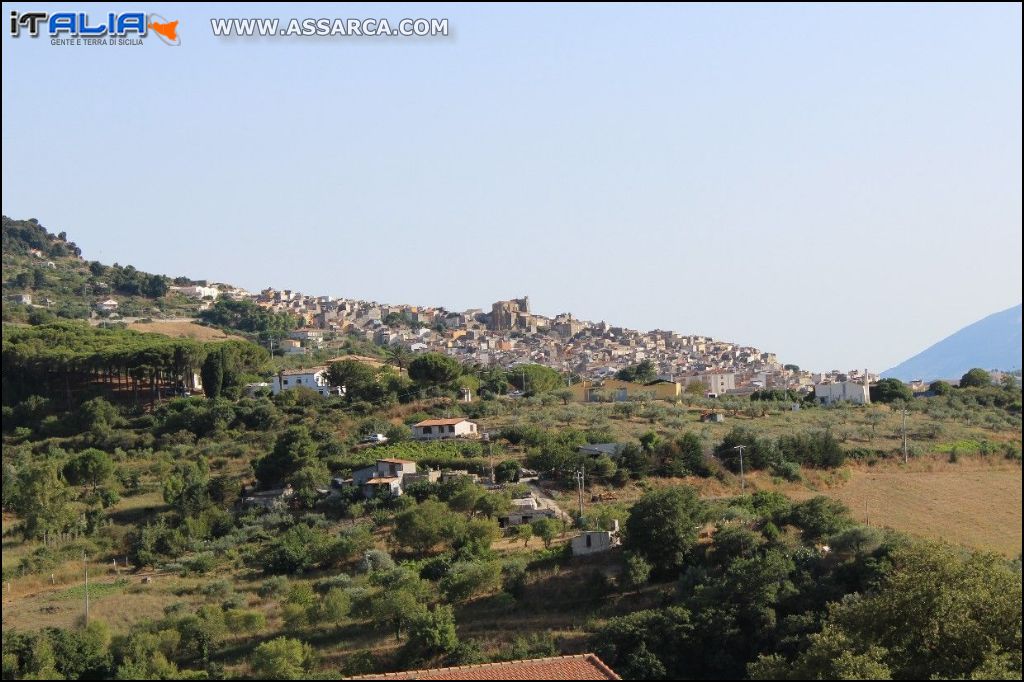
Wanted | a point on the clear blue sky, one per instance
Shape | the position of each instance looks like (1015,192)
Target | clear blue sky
(840,185)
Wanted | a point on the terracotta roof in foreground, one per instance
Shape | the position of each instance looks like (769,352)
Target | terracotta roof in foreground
(578,667)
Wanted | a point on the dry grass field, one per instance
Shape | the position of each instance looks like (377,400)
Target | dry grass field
(972,503)
(181,329)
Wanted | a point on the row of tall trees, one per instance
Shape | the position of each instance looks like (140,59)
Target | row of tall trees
(64,361)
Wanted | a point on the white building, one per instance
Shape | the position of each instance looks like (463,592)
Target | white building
(849,391)
(312,377)
(109,305)
(197,291)
(433,429)
(717,382)
(593,541)
(312,338)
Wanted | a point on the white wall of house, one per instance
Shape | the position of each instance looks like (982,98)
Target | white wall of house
(315,379)
(849,391)
(462,429)
(361,476)
(391,467)
(197,291)
(593,541)
(718,382)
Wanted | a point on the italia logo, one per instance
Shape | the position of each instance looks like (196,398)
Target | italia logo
(80,25)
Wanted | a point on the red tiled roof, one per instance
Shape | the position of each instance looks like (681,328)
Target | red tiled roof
(578,667)
(307,370)
(441,422)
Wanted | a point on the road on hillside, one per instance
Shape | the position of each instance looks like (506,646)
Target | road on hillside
(545,500)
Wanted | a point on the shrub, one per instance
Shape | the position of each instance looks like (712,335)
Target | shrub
(273,587)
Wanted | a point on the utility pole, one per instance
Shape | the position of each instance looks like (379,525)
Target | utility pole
(580,476)
(743,482)
(906,457)
(490,458)
(85,560)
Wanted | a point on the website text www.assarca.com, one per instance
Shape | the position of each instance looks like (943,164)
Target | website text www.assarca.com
(328,27)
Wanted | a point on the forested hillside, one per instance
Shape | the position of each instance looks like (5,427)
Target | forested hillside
(49,270)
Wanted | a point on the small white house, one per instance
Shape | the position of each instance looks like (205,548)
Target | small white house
(434,429)
(312,377)
(594,541)
(849,391)
(109,305)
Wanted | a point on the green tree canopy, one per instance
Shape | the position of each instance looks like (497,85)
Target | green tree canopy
(534,379)
(90,467)
(662,527)
(427,525)
(890,390)
(282,658)
(939,613)
(434,369)
(976,378)
(643,372)
(546,529)
(293,450)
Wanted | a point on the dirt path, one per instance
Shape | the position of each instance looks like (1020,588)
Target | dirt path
(545,500)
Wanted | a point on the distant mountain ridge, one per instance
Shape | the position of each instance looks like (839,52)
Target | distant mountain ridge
(990,343)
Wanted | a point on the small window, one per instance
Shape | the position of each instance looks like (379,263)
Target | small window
(451,429)
(588,541)
(285,382)
(427,429)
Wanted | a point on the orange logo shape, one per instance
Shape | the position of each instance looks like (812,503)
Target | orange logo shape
(166,30)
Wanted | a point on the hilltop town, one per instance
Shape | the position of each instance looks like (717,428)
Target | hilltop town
(512,334)
(46,275)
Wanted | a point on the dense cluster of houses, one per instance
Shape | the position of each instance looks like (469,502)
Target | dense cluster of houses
(510,334)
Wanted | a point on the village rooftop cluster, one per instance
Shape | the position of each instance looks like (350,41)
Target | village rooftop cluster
(511,335)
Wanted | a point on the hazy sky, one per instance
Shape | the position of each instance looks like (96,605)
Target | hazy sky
(839,185)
